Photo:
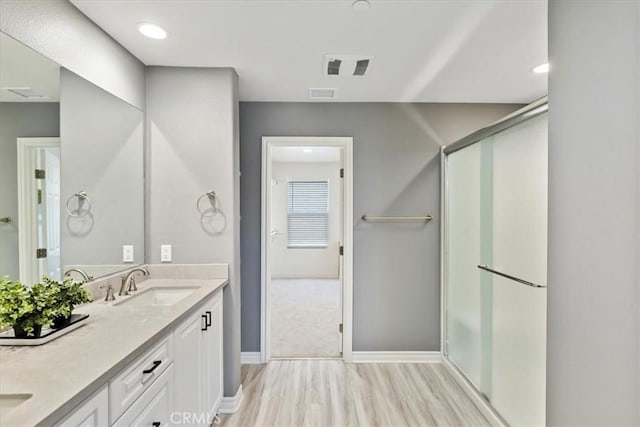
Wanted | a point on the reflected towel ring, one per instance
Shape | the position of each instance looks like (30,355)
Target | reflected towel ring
(215,204)
(82,196)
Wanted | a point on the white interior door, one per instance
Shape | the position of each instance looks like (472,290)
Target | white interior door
(38,208)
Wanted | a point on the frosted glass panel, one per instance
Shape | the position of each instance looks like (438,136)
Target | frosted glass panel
(496,214)
(519,249)
(463,234)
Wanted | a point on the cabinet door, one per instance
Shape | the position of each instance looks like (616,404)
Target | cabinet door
(154,407)
(94,412)
(188,365)
(212,339)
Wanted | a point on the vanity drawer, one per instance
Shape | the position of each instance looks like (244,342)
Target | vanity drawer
(132,381)
(154,407)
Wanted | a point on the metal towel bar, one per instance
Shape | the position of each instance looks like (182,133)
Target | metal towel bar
(368,218)
(515,279)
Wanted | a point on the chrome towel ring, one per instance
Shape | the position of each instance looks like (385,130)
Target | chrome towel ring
(215,204)
(82,197)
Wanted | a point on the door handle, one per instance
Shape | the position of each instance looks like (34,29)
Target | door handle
(209,323)
(206,324)
(156,423)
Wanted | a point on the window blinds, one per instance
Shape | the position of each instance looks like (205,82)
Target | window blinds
(308,214)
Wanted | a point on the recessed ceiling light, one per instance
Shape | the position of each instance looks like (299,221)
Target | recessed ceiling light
(307,150)
(541,69)
(361,5)
(152,31)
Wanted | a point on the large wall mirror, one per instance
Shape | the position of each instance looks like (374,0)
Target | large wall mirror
(71,172)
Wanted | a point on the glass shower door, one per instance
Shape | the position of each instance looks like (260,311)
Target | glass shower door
(519,249)
(496,216)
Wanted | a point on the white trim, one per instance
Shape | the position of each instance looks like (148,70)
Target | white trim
(478,400)
(27,234)
(397,357)
(250,358)
(305,276)
(230,405)
(346,143)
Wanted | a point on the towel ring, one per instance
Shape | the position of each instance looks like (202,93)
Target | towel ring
(82,196)
(215,204)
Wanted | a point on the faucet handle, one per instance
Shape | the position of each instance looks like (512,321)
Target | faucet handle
(110,296)
(132,285)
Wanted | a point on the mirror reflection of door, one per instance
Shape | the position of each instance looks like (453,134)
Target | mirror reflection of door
(39,208)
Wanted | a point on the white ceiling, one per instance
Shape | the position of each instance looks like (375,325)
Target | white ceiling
(425,50)
(22,67)
(299,155)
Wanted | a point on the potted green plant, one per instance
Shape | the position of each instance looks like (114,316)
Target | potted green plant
(68,294)
(26,309)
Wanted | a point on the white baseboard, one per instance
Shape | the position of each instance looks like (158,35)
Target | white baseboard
(229,405)
(478,400)
(250,358)
(305,276)
(397,357)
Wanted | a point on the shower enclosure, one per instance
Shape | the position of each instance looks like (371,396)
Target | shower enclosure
(495,263)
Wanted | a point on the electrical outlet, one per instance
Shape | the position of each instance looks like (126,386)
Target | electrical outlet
(127,253)
(165,253)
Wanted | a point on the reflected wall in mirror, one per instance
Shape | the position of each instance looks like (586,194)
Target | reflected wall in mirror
(71,172)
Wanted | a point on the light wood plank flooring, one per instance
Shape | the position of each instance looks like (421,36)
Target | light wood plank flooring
(331,393)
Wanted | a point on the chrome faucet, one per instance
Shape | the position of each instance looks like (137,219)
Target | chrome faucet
(80,271)
(128,280)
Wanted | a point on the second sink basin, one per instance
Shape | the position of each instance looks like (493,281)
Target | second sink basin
(160,296)
(9,402)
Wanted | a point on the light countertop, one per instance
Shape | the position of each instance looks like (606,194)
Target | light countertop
(62,373)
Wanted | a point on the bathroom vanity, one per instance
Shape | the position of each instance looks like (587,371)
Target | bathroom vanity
(151,358)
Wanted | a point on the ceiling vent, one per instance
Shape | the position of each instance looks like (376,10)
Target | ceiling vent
(346,65)
(322,94)
(25,92)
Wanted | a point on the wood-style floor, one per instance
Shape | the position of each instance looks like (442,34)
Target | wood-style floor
(332,393)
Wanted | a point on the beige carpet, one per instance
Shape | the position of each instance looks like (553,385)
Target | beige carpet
(305,315)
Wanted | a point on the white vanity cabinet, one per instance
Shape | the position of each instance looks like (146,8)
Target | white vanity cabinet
(93,412)
(198,363)
(176,381)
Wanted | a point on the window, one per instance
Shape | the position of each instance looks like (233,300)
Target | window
(308,214)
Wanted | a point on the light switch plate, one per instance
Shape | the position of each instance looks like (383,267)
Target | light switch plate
(127,253)
(165,253)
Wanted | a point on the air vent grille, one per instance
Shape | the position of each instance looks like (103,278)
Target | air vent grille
(25,92)
(322,93)
(333,67)
(361,67)
(346,65)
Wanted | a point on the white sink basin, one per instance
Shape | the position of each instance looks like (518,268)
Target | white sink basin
(160,296)
(8,402)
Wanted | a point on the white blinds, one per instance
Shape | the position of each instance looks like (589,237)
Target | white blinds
(308,214)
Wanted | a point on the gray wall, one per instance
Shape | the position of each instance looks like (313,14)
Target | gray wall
(396,172)
(59,31)
(18,120)
(593,373)
(192,130)
(101,139)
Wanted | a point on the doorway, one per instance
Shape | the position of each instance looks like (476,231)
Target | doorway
(39,208)
(306,248)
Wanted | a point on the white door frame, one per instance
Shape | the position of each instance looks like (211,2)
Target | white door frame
(27,233)
(346,143)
